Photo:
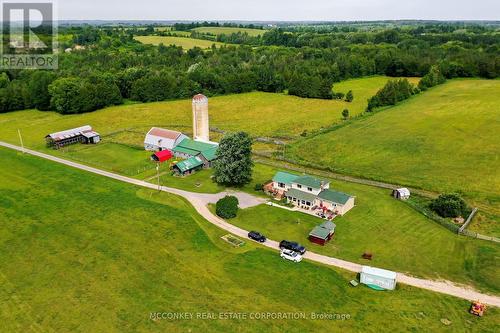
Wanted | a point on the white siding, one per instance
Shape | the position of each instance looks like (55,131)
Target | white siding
(303,188)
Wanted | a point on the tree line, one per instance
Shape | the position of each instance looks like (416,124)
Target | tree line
(113,67)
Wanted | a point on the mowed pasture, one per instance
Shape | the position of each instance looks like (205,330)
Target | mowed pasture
(445,139)
(185,42)
(260,114)
(104,255)
(228,31)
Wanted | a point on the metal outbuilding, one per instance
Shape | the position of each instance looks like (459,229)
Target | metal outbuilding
(377,278)
(83,134)
(401,193)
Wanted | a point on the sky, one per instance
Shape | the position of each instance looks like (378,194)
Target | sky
(279,10)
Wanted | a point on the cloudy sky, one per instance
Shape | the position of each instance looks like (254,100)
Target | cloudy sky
(268,10)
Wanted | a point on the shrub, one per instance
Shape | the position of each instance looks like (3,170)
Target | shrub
(227,207)
(258,187)
(449,205)
(349,97)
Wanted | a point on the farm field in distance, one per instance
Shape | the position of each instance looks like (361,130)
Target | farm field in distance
(184,42)
(129,252)
(229,30)
(453,128)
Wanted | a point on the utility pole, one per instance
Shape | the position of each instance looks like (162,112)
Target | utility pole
(158,174)
(21,139)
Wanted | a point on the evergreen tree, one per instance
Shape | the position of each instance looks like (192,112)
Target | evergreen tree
(349,97)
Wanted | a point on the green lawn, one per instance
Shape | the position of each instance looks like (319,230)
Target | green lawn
(201,181)
(229,30)
(399,237)
(445,139)
(82,253)
(184,42)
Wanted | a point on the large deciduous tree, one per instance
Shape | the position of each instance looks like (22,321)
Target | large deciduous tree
(234,161)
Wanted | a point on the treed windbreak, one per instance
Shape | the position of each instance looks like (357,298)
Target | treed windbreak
(109,66)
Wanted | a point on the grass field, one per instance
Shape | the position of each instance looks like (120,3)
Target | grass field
(445,140)
(260,114)
(184,42)
(81,253)
(228,31)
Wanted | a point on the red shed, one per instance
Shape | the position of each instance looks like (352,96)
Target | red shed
(162,156)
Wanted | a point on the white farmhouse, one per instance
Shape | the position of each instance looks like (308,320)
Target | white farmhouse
(309,193)
(162,139)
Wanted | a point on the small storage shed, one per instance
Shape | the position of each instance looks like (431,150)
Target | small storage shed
(162,156)
(401,193)
(322,233)
(91,137)
(377,278)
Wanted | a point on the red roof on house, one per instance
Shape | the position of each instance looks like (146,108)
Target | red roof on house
(162,156)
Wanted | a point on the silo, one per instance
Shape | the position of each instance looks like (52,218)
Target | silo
(201,129)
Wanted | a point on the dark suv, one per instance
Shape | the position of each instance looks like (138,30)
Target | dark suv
(284,244)
(257,236)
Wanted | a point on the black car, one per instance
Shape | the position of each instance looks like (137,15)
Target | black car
(284,244)
(257,236)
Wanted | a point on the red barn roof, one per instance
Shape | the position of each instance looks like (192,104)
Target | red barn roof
(162,156)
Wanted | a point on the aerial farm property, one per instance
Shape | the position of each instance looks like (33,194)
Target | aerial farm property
(246,176)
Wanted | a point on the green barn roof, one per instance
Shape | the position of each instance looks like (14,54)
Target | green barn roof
(189,164)
(284,177)
(196,145)
(179,149)
(310,181)
(335,197)
(210,154)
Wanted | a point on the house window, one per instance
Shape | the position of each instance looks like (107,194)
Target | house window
(282,185)
(299,186)
(310,189)
(295,199)
(303,202)
(308,203)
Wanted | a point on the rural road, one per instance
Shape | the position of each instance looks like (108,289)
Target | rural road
(200,201)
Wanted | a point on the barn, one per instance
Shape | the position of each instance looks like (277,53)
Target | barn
(377,278)
(83,134)
(161,139)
